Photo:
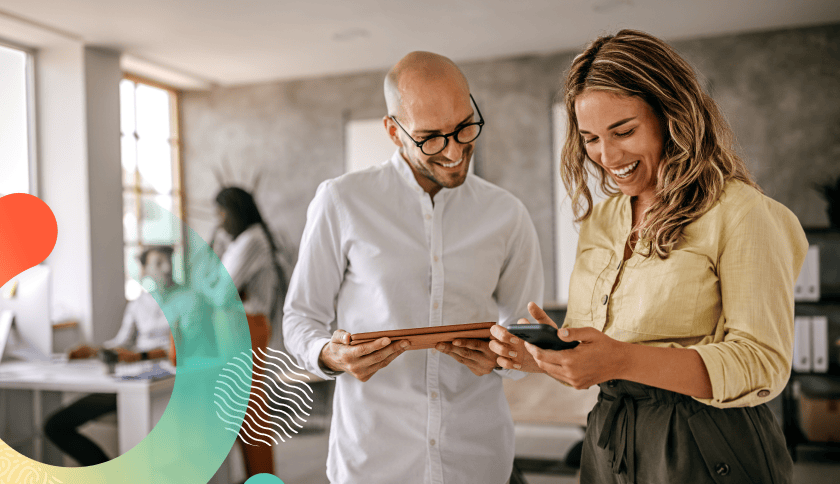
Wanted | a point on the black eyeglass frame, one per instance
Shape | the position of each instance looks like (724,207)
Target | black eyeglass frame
(446,137)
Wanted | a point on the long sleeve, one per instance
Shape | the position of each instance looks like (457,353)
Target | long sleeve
(310,302)
(521,280)
(126,335)
(758,268)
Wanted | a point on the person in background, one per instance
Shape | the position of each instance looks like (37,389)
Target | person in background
(144,334)
(414,241)
(682,291)
(251,261)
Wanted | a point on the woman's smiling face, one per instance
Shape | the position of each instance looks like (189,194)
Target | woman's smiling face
(623,135)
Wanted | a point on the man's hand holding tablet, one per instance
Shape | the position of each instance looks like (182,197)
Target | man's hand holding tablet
(361,360)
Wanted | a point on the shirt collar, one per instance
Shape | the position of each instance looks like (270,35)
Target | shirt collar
(405,171)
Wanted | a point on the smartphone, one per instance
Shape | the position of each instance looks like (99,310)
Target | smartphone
(541,335)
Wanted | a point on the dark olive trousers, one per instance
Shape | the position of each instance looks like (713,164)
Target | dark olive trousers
(640,434)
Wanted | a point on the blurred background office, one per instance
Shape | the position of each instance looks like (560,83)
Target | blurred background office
(113,112)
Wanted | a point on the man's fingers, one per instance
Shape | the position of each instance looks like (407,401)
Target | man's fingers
(383,353)
(341,337)
(388,359)
(368,348)
(537,313)
(473,344)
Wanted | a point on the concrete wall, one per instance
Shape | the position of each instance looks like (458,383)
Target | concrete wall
(778,89)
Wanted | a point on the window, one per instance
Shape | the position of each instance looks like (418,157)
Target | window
(151,175)
(16,162)
(367,144)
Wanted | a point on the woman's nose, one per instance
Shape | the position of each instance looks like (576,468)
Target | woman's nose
(610,153)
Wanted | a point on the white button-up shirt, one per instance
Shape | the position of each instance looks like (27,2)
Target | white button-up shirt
(376,254)
(144,326)
(249,261)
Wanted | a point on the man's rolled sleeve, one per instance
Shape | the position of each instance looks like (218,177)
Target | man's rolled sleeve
(749,360)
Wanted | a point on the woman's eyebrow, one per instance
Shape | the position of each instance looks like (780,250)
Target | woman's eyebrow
(614,125)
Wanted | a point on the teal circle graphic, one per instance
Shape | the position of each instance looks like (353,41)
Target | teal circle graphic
(189,443)
(264,479)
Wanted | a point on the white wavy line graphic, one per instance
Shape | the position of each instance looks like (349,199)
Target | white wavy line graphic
(291,360)
(264,369)
(265,410)
(284,362)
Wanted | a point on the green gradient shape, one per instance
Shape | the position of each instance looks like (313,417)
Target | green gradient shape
(190,442)
(264,479)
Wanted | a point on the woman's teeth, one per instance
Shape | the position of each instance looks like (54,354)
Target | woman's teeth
(626,171)
(452,165)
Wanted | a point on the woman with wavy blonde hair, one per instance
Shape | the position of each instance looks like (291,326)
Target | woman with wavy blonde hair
(682,292)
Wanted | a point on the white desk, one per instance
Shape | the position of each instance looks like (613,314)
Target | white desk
(140,403)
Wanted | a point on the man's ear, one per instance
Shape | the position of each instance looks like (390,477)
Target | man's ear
(391,128)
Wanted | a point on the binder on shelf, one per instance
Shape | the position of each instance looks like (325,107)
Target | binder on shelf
(802,344)
(819,343)
(807,286)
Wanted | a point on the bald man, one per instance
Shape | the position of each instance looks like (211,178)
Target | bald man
(415,241)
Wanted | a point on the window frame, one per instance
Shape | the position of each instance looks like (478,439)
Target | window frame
(176,152)
(31,124)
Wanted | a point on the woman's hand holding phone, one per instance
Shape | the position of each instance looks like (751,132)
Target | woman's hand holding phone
(511,349)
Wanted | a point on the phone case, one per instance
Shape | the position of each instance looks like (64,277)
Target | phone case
(541,335)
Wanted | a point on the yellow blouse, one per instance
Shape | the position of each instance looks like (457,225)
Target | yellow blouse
(726,290)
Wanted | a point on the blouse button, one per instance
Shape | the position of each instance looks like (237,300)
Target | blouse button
(763,393)
(605,298)
(432,442)
(435,305)
(428,217)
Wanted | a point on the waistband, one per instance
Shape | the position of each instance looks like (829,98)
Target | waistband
(618,435)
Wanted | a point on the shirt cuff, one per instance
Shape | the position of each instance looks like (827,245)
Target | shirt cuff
(511,374)
(313,357)
(716,367)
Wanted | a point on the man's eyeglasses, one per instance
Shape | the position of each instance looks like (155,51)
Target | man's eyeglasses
(437,143)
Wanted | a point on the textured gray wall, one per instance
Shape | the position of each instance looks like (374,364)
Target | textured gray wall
(778,89)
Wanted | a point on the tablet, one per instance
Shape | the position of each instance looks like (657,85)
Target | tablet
(428,337)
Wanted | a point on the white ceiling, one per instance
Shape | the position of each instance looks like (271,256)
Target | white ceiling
(248,41)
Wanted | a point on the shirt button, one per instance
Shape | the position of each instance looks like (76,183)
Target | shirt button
(436,258)
(605,298)
(722,469)
(432,442)
(435,305)
(428,217)
(612,383)
(434,395)
(763,393)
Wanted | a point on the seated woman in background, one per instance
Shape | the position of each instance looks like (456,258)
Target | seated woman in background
(682,290)
(250,259)
(144,334)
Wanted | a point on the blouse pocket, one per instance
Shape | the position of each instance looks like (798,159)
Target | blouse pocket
(589,267)
(660,297)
